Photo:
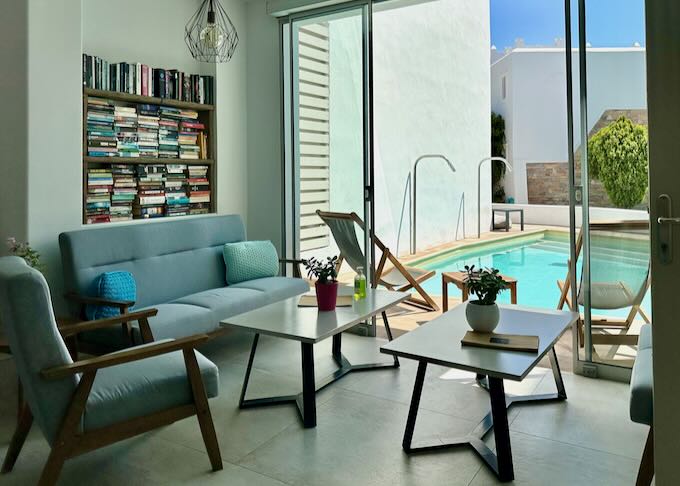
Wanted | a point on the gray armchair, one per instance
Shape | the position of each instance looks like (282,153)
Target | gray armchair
(84,405)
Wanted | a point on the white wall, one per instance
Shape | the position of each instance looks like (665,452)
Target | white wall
(535,109)
(431,96)
(546,215)
(13,123)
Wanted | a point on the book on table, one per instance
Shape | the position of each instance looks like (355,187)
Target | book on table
(508,342)
(309,300)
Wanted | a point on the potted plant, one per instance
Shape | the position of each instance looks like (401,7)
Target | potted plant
(326,281)
(482,314)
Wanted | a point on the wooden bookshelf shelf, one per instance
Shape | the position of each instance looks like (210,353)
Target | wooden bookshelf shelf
(108,165)
(151,100)
(145,160)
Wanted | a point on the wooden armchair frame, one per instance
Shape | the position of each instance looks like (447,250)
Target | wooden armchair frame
(425,301)
(71,442)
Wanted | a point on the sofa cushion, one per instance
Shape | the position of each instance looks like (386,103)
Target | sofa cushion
(143,387)
(248,260)
(276,288)
(225,301)
(175,320)
(168,259)
(112,286)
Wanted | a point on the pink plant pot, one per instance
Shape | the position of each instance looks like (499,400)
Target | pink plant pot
(326,295)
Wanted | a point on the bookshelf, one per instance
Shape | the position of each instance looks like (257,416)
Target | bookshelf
(206,117)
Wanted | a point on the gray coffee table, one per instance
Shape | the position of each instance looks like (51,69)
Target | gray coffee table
(438,342)
(309,326)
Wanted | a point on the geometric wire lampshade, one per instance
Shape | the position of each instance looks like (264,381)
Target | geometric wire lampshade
(210,35)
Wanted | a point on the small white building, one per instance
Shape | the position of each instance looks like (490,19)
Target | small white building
(528,88)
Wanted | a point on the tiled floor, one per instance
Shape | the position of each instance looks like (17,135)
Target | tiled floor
(586,440)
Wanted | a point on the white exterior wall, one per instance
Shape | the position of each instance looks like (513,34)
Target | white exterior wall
(535,109)
(431,96)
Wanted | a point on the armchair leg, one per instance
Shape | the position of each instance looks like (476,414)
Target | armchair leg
(646,471)
(203,414)
(55,463)
(24,423)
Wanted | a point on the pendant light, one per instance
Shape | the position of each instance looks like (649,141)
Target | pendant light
(210,35)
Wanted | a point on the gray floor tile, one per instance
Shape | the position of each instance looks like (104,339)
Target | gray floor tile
(540,462)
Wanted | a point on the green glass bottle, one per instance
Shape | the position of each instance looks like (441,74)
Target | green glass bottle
(360,284)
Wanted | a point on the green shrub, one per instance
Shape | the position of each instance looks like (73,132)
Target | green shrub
(497,150)
(617,156)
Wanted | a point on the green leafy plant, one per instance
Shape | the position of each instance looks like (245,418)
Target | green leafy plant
(485,283)
(618,157)
(497,150)
(323,270)
(25,251)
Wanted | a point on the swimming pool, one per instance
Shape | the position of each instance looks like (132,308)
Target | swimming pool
(538,261)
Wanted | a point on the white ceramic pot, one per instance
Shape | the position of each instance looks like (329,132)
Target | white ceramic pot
(482,318)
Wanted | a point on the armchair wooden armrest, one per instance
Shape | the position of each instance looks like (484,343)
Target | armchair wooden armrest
(86,299)
(141,316)
(120,357)
(297,273)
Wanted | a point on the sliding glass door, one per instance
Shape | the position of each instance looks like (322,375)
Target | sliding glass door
(609,187)
(327,128)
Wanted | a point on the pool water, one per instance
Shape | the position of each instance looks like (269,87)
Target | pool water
(538,261)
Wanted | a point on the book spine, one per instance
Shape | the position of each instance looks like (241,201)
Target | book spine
(138,78)
(145,80)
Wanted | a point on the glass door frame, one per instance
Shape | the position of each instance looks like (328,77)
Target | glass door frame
(585,366)
(289,129)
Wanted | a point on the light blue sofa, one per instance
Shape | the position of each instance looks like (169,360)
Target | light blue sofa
(179,270)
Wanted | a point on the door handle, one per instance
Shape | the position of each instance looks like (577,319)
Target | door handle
(665,222)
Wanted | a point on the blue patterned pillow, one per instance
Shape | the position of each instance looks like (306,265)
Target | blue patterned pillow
(248,260)
(113,286)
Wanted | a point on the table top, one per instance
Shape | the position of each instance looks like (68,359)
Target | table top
(285,319)
(439,341)
(459,277)
(508,210)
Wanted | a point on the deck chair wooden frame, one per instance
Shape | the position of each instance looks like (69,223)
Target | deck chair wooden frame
(71,441)
(602,322)
(424,301)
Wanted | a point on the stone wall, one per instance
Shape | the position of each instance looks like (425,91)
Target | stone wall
(548,182)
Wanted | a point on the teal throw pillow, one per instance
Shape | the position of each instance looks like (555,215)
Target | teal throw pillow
(113,286)
(248,260)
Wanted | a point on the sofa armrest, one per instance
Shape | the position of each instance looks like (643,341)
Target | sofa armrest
(141,316)
(121,357)
(85,299)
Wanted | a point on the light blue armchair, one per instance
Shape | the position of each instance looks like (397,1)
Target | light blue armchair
(84,405)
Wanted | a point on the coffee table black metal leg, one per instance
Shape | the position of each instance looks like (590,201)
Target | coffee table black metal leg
(308,405)
(415,403)
(244,388)
(388,331)
(559,383)
(501,430)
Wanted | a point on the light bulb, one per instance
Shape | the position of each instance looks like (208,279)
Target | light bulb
(212,36)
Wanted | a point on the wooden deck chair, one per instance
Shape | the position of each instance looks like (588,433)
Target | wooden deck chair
(616,294)
(398,277)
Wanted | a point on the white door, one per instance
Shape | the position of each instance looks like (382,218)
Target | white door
(663,97)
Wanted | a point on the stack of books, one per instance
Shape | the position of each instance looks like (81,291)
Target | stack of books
(101,137)
(125,124)
(98,202)
(168,132)
(140,79)
(176,197)
(199,189)
(150,200)
(190,135)
(147,130)
(124,192)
